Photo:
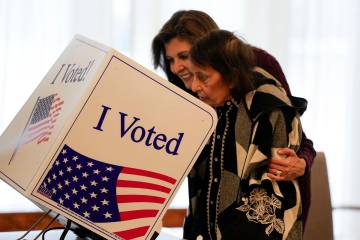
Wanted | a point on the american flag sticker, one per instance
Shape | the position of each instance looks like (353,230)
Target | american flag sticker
(114,197)
(42,120)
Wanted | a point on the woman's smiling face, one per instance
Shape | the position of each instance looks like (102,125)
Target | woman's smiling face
(177,53)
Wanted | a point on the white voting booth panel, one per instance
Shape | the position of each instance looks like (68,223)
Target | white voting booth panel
(104,141)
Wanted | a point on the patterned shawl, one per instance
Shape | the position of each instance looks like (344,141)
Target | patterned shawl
(265,121)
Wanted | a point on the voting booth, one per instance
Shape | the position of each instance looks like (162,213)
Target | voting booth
(104,141)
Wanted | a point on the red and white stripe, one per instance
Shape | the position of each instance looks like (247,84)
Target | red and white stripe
(140,195)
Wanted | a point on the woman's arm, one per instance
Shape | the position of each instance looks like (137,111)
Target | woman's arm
(292,165)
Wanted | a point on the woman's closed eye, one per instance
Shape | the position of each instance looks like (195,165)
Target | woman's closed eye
(202,77)
(183,55)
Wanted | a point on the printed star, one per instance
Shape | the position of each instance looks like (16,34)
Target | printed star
(68,169)
(105,179)
(49,180)
(96,171)
(93,183)
(78,166)
(105,202)
(65,160)
(95,208)
(75,178)
(67,182)
(54,190)
(75,158)
(61,201)
(54,176)
(90,164)
(85,174)
(74,191)
(57,162)
(76,205)
(63,151)
(93,195)
(83,187)
(59,186)
(104,190)
(109,169)
(84,200)
(67,196)
(86,214)
(107,215)
(61,173)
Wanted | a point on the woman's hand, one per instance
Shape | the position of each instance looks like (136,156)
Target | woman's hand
(286,165)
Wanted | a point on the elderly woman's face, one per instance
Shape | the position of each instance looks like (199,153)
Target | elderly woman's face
(209,85)
(177,53)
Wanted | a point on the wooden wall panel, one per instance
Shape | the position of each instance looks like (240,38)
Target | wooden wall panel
(23,221)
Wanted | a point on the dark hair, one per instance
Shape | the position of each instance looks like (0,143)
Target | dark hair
(230,56)
(188,25)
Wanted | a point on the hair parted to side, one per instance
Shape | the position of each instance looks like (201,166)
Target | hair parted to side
(230,56)
(189,25)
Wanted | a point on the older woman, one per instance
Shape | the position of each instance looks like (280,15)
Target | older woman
(233,196)
(170,48)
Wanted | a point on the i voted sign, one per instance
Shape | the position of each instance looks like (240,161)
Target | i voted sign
(121,141)
(138,133)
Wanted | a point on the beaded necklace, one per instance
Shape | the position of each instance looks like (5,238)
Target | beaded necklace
(221,169)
